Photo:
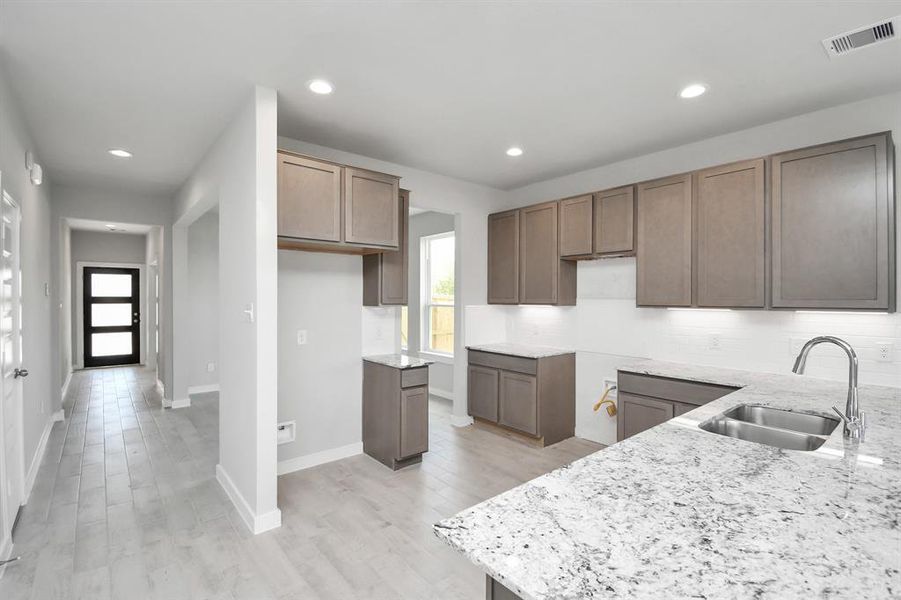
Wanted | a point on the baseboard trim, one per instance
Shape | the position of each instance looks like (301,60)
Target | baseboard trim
(59,416)
(37,459)
(65,389)
(255,523)
(203,389)
(307,461)
(441,393)
(182,403)
(457,421)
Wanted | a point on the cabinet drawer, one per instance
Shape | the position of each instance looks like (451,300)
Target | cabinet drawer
(506,362)
(414,377)
(518,402)
(677,390)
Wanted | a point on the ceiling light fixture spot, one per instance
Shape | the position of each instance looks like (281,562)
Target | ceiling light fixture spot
(514,151)
(693,91)
(321,86)
(120,153)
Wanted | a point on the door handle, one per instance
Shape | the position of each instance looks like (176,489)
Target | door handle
(20,373)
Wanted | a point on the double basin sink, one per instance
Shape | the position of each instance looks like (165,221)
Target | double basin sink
(772,427)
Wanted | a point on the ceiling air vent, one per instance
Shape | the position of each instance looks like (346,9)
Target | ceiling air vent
(850,41)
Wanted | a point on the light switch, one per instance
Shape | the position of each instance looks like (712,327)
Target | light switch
(301,337)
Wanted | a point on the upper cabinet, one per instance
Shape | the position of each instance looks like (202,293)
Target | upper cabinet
(812,228)
(833,226)
(334,208)
(309,198)
(503,258)
(730,235)
(386,275)
(598,225)
(524,265)
(576,226)
(370,208)
(664,242)
(614,222)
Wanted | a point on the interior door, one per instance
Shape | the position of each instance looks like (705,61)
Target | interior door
(112,318)
(12,467)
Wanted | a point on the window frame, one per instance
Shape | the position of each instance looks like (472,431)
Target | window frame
(425,295)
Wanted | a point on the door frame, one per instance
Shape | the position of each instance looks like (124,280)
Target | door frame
(7,462)
(78,342)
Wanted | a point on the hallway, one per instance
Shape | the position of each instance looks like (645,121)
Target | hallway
(126,506)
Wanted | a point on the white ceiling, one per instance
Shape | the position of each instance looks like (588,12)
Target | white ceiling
(443,86)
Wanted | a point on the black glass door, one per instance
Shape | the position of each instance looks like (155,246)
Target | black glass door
(112,318)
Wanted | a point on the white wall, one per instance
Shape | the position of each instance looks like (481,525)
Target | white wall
(111,205)
(471,204)
(239,173)
(441,373)
(203,295)
(319,384)
(153,256)
(606,326)
(39,401)
(102,247)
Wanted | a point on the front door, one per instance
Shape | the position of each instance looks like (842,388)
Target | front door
(112,318)
(12,465)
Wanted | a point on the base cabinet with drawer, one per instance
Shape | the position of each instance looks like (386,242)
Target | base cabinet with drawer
(395,413)
(531,396)
(646,400)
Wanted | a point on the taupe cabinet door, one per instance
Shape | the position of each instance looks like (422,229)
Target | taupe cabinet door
(614,221)
(370,208)
(664,242)
(576,216)
(832,208)
(503,258)
(730,231)
(309,199)
(539,259)
(395,265)
(637,413)
(518,402)
(414,421)
(483,392)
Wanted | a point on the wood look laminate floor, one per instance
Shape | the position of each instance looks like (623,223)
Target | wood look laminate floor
(126,506)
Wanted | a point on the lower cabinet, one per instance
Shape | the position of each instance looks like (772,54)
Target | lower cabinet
(637,413)
(496,591)
(645,401)
(483,392)
(532,396)
(518,402)
(395,413)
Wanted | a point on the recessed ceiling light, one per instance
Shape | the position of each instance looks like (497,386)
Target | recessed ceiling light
(693,91)
(119,153)
(320,86)
(514,151)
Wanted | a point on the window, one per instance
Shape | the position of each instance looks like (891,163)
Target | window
(404,329)
(438,293)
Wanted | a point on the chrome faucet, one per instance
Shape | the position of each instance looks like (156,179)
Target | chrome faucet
(853,418)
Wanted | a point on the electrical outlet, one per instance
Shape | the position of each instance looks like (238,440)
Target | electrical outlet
(714,342)
(884,352)
(210,367)
(301,337)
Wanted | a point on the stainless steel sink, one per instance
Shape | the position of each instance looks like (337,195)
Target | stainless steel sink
(772,427)
(783,419)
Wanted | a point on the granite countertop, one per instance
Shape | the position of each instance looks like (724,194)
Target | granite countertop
(524,350)
(677,512)
(399,361)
